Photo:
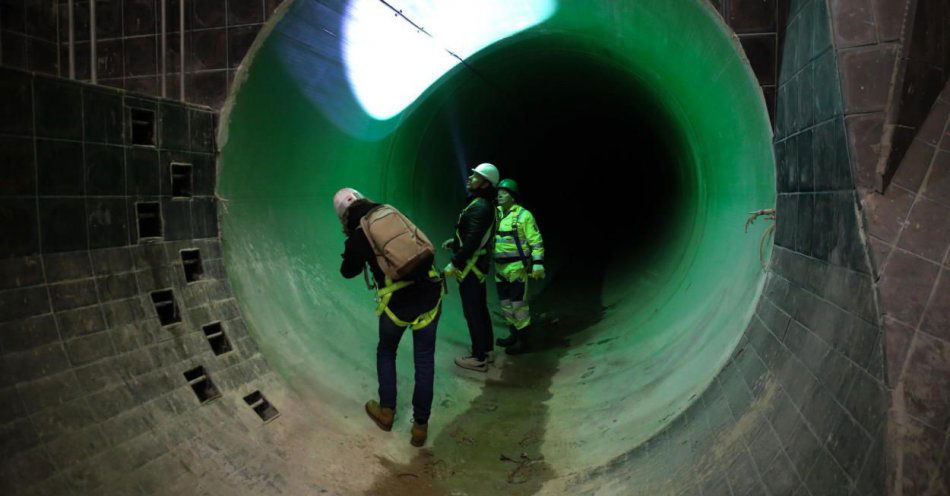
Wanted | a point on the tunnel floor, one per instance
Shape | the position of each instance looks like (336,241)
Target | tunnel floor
(494,445)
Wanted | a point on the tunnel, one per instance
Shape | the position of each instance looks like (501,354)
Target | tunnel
(173,319)
(641,154)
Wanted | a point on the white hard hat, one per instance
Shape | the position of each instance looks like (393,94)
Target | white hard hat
(488,171)
(343,199)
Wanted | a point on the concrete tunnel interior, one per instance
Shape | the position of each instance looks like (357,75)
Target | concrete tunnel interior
(641,173)
(173,320)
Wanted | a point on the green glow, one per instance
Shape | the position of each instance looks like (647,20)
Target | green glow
(673,315)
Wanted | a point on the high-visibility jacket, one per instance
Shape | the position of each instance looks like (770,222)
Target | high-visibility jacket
(517,227)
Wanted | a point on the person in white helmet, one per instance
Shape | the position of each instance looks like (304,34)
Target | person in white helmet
(413,301)
(471,255)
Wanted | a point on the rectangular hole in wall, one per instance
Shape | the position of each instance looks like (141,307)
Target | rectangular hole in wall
(149,217)
(201,384)
(181,180)
(143,126)
(216,338)
(261,406)
(191,262)
(165,307)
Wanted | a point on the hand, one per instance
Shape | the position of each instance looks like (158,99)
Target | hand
(450,270)
(447,243)
(537,273)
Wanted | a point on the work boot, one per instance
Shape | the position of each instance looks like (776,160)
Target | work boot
(381,415)
(419,433)
(510,340)
(472,363)
(520,345)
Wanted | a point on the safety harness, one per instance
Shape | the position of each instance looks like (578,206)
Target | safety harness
(514,233)
(470,267)
(470,264)
(384,294)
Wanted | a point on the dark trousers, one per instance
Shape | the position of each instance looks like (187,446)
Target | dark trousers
(475,307)
(423,349)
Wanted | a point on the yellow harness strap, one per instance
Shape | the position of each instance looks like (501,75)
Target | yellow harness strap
(470,267)
(383,295)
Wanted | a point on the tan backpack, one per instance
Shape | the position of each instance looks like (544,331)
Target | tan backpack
(399,245)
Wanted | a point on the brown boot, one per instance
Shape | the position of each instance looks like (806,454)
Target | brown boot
(419,433)
(381,415)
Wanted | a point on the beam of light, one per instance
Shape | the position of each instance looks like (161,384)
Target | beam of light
(390,62)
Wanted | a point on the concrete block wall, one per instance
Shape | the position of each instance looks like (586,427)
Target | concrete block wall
(894,62)
(94,390)
(217,35)
(28,35)
(909,232)
(759,26)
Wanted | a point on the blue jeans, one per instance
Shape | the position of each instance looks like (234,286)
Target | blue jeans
(423,349)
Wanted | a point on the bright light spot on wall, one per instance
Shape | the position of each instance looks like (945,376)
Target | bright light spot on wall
(389,63)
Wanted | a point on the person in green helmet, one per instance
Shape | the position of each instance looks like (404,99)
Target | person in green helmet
(518,255)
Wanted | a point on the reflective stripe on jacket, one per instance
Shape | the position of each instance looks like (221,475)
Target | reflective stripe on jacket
(518,221)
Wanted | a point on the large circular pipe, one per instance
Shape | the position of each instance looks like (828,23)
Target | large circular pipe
(641,140)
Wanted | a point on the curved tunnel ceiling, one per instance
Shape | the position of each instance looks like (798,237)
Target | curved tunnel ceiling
(641,139)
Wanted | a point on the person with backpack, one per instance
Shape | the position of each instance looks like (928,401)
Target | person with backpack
(518,255)
(471,252)
(409,295)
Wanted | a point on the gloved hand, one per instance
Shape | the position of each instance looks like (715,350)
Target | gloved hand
(450,270)
(538,272)
(447,243)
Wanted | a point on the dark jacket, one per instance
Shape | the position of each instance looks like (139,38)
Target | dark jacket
(477,218)
(408,302)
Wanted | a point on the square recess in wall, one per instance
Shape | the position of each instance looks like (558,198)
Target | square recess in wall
(261,406)
(149,218)
(142,124)
(191,263)
(165,307)
(201,384)
(182,183)
(216,338)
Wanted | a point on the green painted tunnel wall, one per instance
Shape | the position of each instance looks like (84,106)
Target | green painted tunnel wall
(668,318)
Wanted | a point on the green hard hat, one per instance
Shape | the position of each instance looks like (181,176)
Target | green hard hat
(510,185)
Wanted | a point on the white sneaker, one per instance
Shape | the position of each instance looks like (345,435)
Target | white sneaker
(472,363)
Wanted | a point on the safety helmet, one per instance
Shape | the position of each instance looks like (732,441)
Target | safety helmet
(488,171)
(511,185)
(343,199)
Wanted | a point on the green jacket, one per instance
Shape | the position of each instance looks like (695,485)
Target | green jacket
(518,223)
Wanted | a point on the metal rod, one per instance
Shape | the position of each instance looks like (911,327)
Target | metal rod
(164,49)
(72,39)
(181,50)
(93,70)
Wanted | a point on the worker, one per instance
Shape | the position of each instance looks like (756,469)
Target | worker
(518,255)
(413,301)
(471,252)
